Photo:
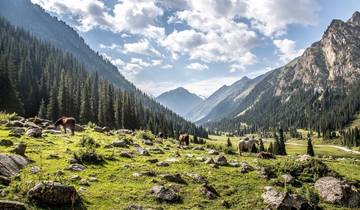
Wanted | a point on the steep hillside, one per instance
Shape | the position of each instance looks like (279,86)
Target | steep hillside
(319,88)
(35,20)
(223,101)
(179,100)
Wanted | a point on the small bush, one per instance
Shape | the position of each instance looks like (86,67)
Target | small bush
(145,135)
(88,156)
(87,141)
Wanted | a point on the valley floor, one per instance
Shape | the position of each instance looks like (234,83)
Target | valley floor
(119,182)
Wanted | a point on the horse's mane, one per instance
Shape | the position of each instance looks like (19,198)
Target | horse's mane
(58,122)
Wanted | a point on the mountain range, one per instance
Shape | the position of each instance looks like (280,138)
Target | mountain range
(317,89)
(180,100)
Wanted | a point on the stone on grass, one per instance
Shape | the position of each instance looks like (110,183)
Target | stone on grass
(283,200)
(126,155)
(134,207)
(76,167)
(12,205)
(16,132)
(6,142)
(34,132)
(54,194)
(174,178)
(288,179)
(35,169)
(11,164)
(142,151)
(334,191)
(221,160)
(5,180)
(209,191)
(120,143)
(266,172)
(245,168)
(163,164)
(213,152)
(152,160)
(209,161)
(20,149)
(198,178)
(163,194)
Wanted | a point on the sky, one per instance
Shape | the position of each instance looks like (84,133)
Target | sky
(200,45)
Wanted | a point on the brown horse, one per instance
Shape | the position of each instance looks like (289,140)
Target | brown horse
(66,122)
(184,139)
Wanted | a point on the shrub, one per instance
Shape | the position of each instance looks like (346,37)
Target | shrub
(87,141)
(145,135)
(88,156)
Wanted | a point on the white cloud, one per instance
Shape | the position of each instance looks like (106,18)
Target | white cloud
(143,47)
(156,62)
(115,61)
(167,66)
(111,47)
(197,66)
(140,62)
(287,49)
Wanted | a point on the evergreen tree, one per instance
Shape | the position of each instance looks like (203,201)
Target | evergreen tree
(271,148)
(228,144)
(281,143)
(310,149)
(261,145)
(85,107)
(42,110)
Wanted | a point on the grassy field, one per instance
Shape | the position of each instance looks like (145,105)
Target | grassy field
(117,188)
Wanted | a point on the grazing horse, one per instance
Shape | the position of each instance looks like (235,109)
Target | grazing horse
(246,145)
(184,139)
(66,122)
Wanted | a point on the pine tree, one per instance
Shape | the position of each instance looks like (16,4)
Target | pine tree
(271,148)
(261,145)
(52,107)
(85,107)
(195,139)
(42,110)
(310,149)
(229,144)
(282,148)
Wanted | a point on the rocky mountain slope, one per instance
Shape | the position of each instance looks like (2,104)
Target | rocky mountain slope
(223,101)
(179,100)
(320,87)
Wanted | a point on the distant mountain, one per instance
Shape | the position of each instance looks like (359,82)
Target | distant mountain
(37,21)
(319,88)
(223,101)
(179,100)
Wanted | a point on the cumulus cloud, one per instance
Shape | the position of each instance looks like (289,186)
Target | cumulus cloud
(167,66)
(142,47)
(197,66)
(287,49)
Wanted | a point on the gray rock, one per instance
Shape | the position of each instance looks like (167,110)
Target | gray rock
(98,129)
(234,163)
(12,205)
(156,150)
(50,131)
(76,167)
(198,178)
(79,128)
(6,142)
(209,191)
(75,178)
(283,200)
(174,178)
(150,173)
(209,161)
(221,160)
(72,160)
(288,179)
(35,169)
(266,172)
(335,191)
(120,143)
(163,194)
(142,151)
(5,180)
(54,194)
(17,132)
(198,148)
(162,164)
(16,123)
(126,155)
(31,125)
(245,168)
(20,149)
(213,152)
(134,207)
(152,160)
(148,142)
(34,132)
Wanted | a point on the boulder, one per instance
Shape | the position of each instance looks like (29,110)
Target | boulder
(246,168)
(213,152)
(76,167)
(163,164)
(198,178)
(149,173)
(134,207)
(12,205)
(152,160)
(174,178)
(6,142)
(234,163)
(156,150)
(209,191)
(221,160)
(16,123)
(209,161)
(50,131)
(266,172)
(124,131)
(335,191)
(119,143)
(283,200)
(54,194)
(16,132)
(142,151)
(30,124)
(288,179)
(35,169)
(303,158)
(265,155)
(20,149)
(79,128)
(198,148)
(11,164)
(34,132)
(98,129)
(163,194)
(147,142)
(126,155)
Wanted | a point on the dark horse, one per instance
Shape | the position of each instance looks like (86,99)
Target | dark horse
(184,139)
(66,122)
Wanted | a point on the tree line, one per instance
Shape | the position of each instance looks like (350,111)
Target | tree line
(36,79)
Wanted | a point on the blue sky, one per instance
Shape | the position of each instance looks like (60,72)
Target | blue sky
(198,44)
